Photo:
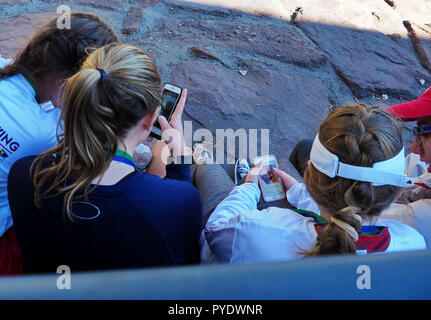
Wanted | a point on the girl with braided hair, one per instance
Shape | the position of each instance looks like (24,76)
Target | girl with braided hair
(31,94)
(356,170)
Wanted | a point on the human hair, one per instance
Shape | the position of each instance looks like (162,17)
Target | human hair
(54,50)
(100,107)
(359,135)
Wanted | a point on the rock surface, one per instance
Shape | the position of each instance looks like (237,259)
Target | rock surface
(221,98)
(278,42)
(421,39)
(273,64)
(15,32)
(367,61)
(104,4)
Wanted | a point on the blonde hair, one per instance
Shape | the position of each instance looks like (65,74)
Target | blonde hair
(359,135)
(100,107)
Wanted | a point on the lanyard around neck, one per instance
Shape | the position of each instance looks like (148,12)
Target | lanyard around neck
(369,229)
(321,221)
(124,157)
(32,84)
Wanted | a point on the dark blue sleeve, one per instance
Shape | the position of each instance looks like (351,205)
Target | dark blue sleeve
(179,218)
(179,172)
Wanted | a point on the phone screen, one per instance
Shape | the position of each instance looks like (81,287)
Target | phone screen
(270,184)
(169,102)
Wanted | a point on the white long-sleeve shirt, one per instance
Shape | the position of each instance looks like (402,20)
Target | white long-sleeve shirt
(237,232)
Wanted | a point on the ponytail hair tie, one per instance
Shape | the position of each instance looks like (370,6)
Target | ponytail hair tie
(102,74)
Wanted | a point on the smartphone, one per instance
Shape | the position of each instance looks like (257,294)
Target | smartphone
(171,95)
(270,184)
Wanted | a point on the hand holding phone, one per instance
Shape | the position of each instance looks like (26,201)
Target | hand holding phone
(171,98)
(287,180)
(171,128)
(270,184)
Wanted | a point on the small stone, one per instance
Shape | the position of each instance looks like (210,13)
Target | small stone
(385,97)
(243,72)
(422,81)
(204,53)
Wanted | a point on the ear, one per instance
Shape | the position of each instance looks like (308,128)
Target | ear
(61,79)
(148,121)
(59,83)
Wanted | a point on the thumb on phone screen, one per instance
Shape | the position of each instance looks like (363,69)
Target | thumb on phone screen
(287,180)
(164,124)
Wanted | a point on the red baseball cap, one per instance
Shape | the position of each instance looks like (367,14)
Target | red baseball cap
(412,110)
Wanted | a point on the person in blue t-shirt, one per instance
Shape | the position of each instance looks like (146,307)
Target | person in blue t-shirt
(83,203)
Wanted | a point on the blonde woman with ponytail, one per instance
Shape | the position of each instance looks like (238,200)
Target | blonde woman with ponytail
(356,170)
(83,203)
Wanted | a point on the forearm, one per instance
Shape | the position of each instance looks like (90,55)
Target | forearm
(241,200)
(299,197)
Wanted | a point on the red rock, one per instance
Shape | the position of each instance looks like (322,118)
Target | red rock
(103,4)
(252,65)
(368,61)
(204,53)
(421,39)
(291,106)
(282,43)
(16,31)
(132,22)
(12,2)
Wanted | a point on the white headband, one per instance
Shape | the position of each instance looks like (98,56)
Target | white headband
(388,172)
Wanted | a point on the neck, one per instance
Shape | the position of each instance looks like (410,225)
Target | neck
(118,170)
(129,144)
(41,90)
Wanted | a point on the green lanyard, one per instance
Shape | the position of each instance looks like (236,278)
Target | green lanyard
(124,157)
(32,85)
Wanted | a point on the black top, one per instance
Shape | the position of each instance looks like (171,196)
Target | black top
(140,221)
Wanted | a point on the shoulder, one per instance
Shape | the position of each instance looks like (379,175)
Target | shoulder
(22,166)
(16,88)
(20,183)
(171,194)
(403,237)
(19,176)
(276,222)
(178,188)
(273,234)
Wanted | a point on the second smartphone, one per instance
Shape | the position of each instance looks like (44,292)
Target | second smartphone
(171,96)
(270,184)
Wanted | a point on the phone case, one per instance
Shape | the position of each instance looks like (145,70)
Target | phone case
(270,184)
(156,130)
